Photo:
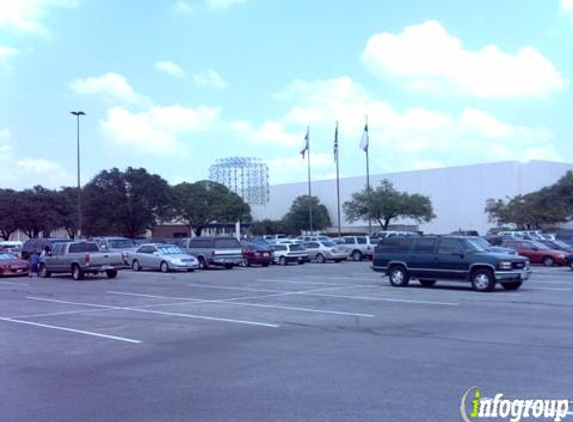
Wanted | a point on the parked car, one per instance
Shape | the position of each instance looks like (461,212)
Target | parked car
(359,247)
(11,265)
(37,245)
(325,251)
(558,245)
(287,253)
(302,239)
(565,235)
(115,244)
(452,258)
(391,233)
(492,248)
(80,258)
(163,257)
(11,246)
(257,253)
(222,251)
(537,252)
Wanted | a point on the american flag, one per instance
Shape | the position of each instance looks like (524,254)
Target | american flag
(305,144)
(336,143)
(364,139)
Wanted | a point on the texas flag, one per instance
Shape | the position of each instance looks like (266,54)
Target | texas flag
(304,148)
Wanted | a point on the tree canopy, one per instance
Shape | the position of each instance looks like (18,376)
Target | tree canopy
(125,202)
(385,203)
(298,219)
(201,203)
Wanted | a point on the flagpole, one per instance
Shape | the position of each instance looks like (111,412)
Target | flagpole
(368,180)
(309,188)
(337,178)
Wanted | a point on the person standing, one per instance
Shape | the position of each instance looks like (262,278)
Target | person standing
(35,264)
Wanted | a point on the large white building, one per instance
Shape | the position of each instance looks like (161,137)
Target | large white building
(458,194)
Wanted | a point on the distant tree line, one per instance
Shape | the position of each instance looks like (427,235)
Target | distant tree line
(119,202)
(546,207)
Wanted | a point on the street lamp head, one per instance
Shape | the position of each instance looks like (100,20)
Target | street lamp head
(78,113)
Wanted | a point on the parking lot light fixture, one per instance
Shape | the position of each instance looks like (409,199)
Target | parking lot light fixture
(78,114)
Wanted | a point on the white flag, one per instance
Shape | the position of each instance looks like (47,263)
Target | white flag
(364,140)
(304,148)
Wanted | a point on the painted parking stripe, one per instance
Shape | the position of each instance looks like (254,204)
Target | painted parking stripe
(14,284)
(72,330)
(255,305)
(382,299)
(288,280)
(340,278)
(136,309)
(233,288)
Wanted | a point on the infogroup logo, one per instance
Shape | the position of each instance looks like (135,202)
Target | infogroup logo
(474,406)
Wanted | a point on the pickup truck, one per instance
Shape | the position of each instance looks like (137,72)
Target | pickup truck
(80,258)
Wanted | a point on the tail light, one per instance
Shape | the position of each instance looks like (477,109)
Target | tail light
(87,259)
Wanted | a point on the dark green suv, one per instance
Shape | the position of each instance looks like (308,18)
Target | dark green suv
(451,258)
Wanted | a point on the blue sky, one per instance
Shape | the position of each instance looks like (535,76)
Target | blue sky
(174,85)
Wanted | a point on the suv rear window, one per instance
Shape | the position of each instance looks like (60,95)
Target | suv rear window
(227,243)
(394,244)
(83,247)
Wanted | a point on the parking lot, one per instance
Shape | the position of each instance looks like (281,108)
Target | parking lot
(330,342)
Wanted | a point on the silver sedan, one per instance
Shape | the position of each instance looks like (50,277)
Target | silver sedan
(164,257)
(325,251)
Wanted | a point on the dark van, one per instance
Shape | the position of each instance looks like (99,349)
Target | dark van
(32,246)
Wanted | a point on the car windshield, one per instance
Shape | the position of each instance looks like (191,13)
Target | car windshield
(482,242)
(121,244)
(329,244)
(7,256)
(169,250)
(540,245)
(475,245)
(561,244)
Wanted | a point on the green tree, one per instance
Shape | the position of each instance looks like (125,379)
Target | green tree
(201,203)
(126,203)
(385,203)
(66,207)
(297,219)
(9,208)
(37,211)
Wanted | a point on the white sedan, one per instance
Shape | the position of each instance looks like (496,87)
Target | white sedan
(163,257)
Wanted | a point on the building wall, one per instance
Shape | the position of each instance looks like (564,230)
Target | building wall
(458,194)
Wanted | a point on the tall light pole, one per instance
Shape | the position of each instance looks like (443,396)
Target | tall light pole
(78,114)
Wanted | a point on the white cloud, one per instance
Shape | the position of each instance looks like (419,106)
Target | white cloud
(425,57)
(567,6)
(182,7)
(25,172)
(222,4)
(170,68)
(7,52)
(111,86)
(27,15)
(207,79)
(159,130)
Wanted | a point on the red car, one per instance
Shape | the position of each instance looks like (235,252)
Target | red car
(11,265)
(537,252)
(257,254)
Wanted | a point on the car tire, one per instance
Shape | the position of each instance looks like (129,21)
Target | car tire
(111,273)
(320,258)
(427,283)
(265,264)
(202,263)
(229,266)
(44,273)
(190,270)
(135,265)
(357,256)
(338,261)
(548,261)
(77,273)
(282,260)
(300,262)
(511,286)
(483,280)
(163,267)
(399,276)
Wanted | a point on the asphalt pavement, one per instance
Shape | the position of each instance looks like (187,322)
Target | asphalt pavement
(315,342)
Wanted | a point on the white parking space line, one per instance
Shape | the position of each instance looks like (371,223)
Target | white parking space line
(83,311)
(382,299)
(13,283)
(255,305)
(340,278)
(233,288)
(551,289)
(289,281)
(137,309)
(72,330)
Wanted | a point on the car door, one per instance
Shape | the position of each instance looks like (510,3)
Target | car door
(312,249)
(145,256)
(421,258)
(450,261)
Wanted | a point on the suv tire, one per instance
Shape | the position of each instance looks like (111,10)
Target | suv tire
(357,256)
(483,280)
(202,263)
(399,276)
(111,273)
(77,273)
